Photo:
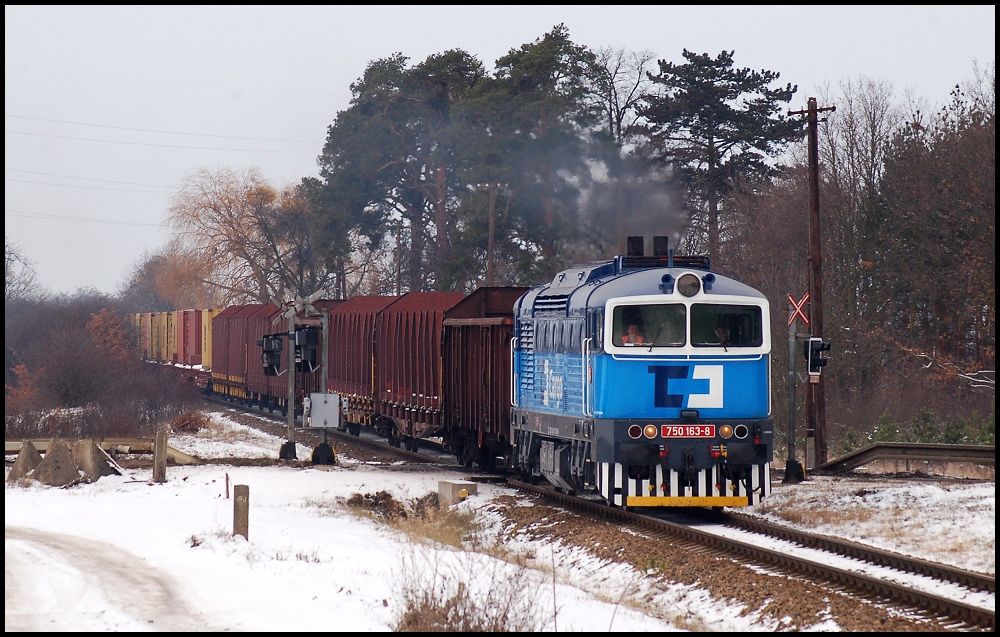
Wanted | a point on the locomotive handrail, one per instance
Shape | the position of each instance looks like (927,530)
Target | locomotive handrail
(586,366)
(513,375)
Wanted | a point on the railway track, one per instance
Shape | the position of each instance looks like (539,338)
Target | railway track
(907,564)
(949,612)
(369,443)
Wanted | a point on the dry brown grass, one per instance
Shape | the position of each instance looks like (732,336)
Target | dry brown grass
(806,511)
(439,599)
(815,517)
(190,422)
(420,518)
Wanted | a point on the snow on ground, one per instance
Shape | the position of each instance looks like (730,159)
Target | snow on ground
(312,564)
(309,565)
(952,522)
(226,438)
(918,582)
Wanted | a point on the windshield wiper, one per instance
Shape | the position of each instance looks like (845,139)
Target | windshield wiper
(657,337)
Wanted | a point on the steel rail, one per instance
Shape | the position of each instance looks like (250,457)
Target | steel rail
(909,564)
(945,609)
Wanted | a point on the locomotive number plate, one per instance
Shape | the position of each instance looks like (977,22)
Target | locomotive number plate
(687,431)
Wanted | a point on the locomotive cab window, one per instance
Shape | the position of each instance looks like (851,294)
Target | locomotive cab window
(717,325)
(662,325)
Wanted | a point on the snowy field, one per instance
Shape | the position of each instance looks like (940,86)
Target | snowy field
(121,554)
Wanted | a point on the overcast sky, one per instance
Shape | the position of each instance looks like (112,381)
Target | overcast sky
(85,190)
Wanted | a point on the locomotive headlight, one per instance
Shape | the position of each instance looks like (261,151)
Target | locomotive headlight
(688,284)
(726,431)
(634,431)
(649,431)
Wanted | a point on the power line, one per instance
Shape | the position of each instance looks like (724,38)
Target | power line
(49,183)
(154,130)
(111,141)
(106,181)
(164,83)
(51,217)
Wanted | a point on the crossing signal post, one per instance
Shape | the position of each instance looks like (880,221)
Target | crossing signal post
(794,472)
(297,356)
(306,345)
(271,347)
(815,347)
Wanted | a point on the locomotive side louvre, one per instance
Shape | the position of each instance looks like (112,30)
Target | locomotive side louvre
(477,367)
(676,416)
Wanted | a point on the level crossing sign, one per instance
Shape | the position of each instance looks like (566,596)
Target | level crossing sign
(796,309)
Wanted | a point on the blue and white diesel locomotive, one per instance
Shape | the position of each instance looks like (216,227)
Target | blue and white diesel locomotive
(645,379)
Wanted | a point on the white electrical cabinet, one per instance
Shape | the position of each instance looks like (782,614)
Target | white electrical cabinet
(324,411)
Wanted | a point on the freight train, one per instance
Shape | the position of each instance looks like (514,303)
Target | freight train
(642,379)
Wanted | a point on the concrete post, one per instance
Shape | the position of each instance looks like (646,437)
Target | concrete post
(241,510)
(160,457)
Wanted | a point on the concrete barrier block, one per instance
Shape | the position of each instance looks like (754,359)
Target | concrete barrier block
(57,468)
(28,459)
(454,491)
(91,461)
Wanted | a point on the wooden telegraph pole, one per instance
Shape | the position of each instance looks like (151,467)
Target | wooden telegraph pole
(815,398)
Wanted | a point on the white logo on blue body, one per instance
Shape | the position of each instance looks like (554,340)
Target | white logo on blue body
(713,399)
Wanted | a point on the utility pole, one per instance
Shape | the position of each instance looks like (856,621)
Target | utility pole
(399,259)
(491,236)
(290,406)
(324,372)
(815,398)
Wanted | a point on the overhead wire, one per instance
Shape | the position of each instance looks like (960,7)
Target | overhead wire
(49,183)
(107,181)
(154,130)
(53,217)
(111,141)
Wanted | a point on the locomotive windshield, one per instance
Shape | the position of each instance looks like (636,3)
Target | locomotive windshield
(650,325)
(716,325)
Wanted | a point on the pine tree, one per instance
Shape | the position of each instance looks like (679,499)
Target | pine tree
(718,126)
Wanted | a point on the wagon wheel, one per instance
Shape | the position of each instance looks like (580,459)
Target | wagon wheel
(466,456)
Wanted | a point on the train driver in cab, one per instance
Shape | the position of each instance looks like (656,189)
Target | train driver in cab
(633,335)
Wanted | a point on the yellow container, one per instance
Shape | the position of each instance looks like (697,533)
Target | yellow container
(206,335)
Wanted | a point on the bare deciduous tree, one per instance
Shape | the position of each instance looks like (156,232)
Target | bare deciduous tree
(19,276)
(618,87)
(258,239)
(178,276)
